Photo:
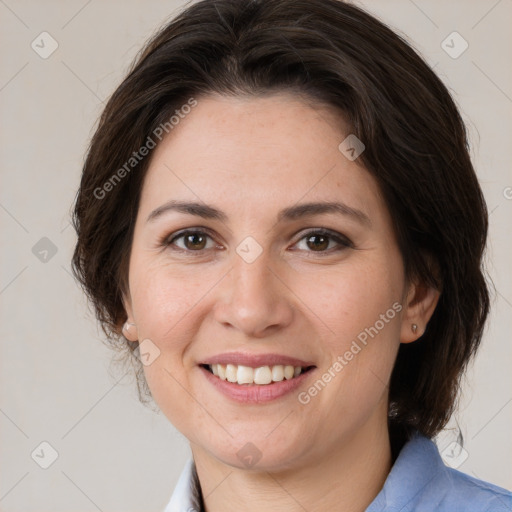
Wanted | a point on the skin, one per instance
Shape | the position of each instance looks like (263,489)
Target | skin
(250,157)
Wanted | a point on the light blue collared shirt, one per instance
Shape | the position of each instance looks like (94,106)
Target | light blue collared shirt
(419,481)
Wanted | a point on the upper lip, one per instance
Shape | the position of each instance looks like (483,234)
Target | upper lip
(255,360)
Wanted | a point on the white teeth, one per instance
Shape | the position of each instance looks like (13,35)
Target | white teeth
(231,372)
(244,375)
(288,372)
(277,373)
(261,375)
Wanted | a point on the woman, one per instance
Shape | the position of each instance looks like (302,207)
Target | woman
(278,215)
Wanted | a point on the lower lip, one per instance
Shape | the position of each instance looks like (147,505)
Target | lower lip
(256,393)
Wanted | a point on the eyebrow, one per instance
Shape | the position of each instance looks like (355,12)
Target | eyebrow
(291,213)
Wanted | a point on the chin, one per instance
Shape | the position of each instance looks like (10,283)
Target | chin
(256,452)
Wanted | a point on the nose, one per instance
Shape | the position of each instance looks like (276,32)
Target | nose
(254,299)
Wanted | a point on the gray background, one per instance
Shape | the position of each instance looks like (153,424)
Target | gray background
(55,384)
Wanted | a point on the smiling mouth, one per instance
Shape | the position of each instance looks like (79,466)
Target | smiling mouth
(261,376)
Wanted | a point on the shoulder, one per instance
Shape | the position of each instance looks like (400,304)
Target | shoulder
(419,481)
(478,495)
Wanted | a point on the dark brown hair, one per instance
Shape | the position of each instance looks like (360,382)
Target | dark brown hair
(416,149)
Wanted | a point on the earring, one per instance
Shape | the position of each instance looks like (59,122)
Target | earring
(127,325)
(414,328)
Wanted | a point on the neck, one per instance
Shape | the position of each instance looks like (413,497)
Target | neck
(345,477)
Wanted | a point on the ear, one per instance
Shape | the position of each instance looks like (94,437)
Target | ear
(129,328)
(420,303)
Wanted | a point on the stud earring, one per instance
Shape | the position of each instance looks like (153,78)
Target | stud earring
(414,328)
(127,325)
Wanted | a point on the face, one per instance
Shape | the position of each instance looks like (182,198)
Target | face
(264,278)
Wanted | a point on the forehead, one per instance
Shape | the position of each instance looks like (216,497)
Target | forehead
(258,152)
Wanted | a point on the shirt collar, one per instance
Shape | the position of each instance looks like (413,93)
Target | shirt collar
(187,493)
(416,468)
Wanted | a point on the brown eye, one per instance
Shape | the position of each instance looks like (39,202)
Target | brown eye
(192,241)
(320,240)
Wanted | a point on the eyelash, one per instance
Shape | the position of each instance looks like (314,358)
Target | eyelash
(343,242)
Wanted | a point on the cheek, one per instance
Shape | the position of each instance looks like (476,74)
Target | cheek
(352,297)
(162,297)
(170,390)
(357,308)
(164,303)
